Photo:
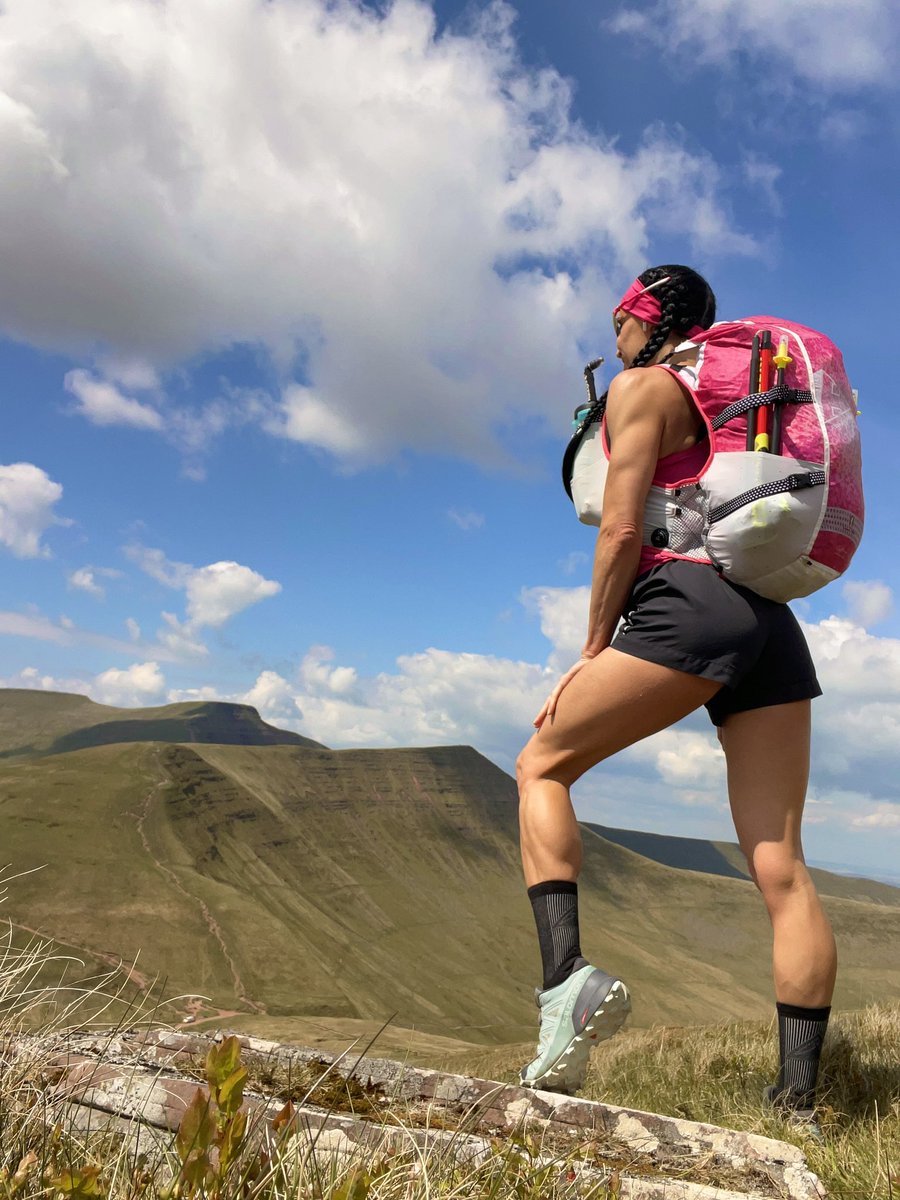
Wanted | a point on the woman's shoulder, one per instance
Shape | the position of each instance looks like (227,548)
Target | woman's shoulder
(643,384)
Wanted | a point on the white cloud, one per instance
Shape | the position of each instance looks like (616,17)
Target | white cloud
(34,625)
(868,602)
(134,630)
(131,373)
(84,579)
(466,519)
(179,638)
(576,560)
(27,497)
(828,44)
(64,632)
(884,818)
(103,404)
(154,563)
(673,781)
(563,614)
(220,591)
(134,686)
(214,593)
(35,680)
(272,697)
(336,185)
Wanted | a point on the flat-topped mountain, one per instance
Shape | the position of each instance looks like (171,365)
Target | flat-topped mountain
(35,722)
(284,882)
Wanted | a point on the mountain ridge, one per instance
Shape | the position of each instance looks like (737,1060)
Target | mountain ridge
(287,882)
(36,723)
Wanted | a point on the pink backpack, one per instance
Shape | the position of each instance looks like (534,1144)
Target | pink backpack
(784,522)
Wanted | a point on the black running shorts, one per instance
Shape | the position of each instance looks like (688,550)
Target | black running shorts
(686,616)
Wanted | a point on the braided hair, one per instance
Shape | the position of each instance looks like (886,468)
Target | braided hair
(686,300)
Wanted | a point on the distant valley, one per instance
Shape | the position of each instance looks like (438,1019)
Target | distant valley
(286,885)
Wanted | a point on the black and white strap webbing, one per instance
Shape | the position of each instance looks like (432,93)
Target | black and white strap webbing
(791,483)
(779,394)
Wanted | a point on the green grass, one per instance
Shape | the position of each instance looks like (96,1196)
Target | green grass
(716,1073)
(279,883)
(712,1073)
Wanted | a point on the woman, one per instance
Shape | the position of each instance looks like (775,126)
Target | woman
(688,638)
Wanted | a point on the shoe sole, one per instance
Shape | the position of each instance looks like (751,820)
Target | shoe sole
(568,1071)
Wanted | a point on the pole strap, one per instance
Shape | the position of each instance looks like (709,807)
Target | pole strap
(791,483)
(779,394)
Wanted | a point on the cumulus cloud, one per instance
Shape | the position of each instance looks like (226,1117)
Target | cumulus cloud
(27,498)
(868,602)
(439,697)
(214,594)
(220,591)
(133,686)
(828,44)
(35,680)
(136,685)
(563,614)
(340,186)
(272,697)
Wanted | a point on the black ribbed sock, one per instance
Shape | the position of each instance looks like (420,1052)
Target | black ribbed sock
(801,1032)
(555,905)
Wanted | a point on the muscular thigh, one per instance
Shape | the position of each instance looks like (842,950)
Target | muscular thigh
(767,752)
(613,702)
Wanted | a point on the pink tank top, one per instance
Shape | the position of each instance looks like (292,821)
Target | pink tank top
(684,464)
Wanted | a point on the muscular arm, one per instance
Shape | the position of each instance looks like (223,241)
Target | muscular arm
(639,408)
(636,413)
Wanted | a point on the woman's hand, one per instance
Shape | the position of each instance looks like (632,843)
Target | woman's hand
(550,703)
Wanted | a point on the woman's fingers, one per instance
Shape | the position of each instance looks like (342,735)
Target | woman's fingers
(550,703)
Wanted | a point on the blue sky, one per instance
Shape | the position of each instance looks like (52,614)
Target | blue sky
(295,299)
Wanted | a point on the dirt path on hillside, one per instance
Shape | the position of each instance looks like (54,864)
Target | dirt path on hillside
(132,974)
(209,920)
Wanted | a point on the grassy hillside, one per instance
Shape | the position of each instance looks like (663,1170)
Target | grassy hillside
(727,860)
(716,1073)
(36,723)
(284,882)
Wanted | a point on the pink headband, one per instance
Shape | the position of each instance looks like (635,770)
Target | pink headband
(637,303)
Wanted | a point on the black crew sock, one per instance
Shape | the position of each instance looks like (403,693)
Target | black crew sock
(555,905)
(801,1032)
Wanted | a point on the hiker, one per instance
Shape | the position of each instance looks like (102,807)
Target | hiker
(688,638)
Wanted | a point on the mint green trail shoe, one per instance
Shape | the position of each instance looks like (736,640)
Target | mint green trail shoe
(588,1007)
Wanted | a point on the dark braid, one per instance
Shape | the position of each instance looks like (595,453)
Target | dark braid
(685,300)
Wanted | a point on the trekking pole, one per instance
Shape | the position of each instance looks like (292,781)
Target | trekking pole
(582,410)
(781,360)
(589,378)
(761,441)
(752,389)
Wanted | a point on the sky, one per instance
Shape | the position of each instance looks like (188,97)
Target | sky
(295,298)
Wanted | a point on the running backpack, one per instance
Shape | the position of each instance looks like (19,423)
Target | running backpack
(782,523)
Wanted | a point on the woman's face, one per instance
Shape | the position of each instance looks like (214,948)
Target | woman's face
(631,336)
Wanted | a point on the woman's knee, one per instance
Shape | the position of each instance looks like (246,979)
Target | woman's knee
(776,870)
(535,763)
(529,767)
